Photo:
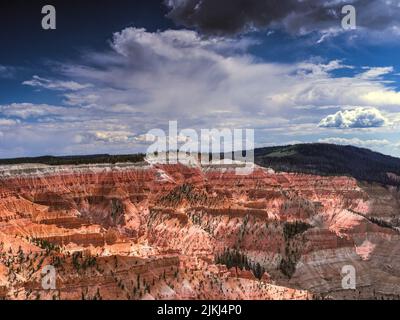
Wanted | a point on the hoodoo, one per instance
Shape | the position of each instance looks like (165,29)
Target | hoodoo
(161,231)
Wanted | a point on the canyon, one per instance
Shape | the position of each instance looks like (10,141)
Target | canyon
(172,231)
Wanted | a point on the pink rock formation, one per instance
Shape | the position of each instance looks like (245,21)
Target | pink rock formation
(139,231)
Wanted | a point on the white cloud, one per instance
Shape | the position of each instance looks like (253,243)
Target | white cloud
(356,118)
(80,99)
(372,143)
(318,69)
(149,138)
(104,136)
(37,81)
(381,97)
(30,110)
(376,72)
(149,78)
(179,75)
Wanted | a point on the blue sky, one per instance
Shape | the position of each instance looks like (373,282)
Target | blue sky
(111,72)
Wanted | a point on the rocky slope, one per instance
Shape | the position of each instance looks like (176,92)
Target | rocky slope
(148,231)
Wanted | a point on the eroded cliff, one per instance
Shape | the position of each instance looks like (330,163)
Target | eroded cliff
(147,231)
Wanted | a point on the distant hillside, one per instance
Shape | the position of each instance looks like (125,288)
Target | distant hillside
(74,160)
(330,159)
(313,158)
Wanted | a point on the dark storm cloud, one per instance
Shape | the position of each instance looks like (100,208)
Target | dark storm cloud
(294,16)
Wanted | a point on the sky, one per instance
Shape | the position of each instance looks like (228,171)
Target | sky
(112,71)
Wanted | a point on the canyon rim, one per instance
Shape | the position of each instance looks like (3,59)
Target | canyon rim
(281,181)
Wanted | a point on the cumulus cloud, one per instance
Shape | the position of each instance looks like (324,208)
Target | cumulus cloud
(104,136)
(149,78)
(296,17)
(39,82)
(383,97)
(178,74)
(356,118)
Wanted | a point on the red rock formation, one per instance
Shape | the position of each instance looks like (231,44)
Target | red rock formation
(154,231)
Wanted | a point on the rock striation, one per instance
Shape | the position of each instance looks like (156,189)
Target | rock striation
(173,231)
